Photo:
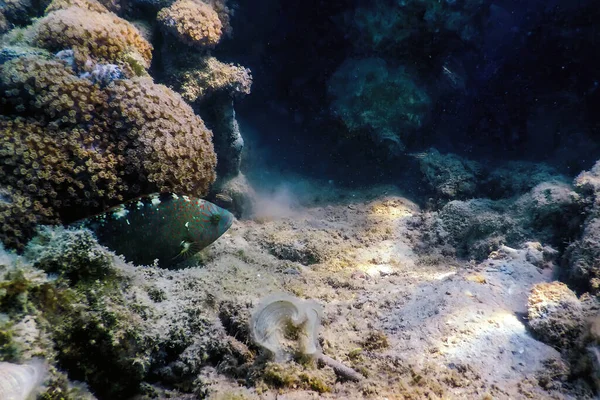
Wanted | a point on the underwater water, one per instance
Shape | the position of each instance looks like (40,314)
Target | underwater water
(344,199)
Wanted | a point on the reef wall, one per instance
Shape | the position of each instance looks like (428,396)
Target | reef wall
(84,126)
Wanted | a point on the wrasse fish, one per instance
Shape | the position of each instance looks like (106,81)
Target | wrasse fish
(166,227)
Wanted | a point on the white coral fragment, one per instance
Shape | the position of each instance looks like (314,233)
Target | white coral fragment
(284,325)
(19,382)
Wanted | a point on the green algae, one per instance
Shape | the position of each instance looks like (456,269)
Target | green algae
(290,375)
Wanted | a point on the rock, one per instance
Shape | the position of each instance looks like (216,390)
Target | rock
(236,195)
(556,315)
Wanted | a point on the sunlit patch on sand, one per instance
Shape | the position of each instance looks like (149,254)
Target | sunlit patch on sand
(393,208)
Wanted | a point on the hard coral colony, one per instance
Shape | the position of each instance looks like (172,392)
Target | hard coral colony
(71,147)
(87,135)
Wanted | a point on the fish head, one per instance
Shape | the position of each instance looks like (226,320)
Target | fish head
(220,219)
(208,223)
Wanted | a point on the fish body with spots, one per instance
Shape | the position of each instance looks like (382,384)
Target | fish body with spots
(165,227)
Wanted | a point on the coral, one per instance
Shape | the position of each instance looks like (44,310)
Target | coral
(58,387)
(19,216)
(154,5)
(550,206)
(92,316)
(517,177)
(95,336)
(591,341)
(450,176)
(99,340)
(194,23)
(213,86)
(588,182)
(548,213)
(174,147)
(203,80)
(101,36)
(4,24)
(71,254)
(35,84)
(104,74)
(211,76)
(582,256)
(390,95)
(555,314)
(16,12)
(90,5)
(224,12)
(373,98)
(16,287)
(20,337)
(8,52)
(554,374)
(419,25)
(37,170)
(89,146)
(570,324)
(119,7)
(474,227)
(9,350)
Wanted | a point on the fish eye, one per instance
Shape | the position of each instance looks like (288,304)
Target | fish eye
(215,219)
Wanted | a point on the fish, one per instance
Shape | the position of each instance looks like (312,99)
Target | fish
(21,381)
(166,227)
(224,198)
(420,155)
(454,73)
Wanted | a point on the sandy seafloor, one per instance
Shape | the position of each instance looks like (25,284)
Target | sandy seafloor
(415,323)
(454,328)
